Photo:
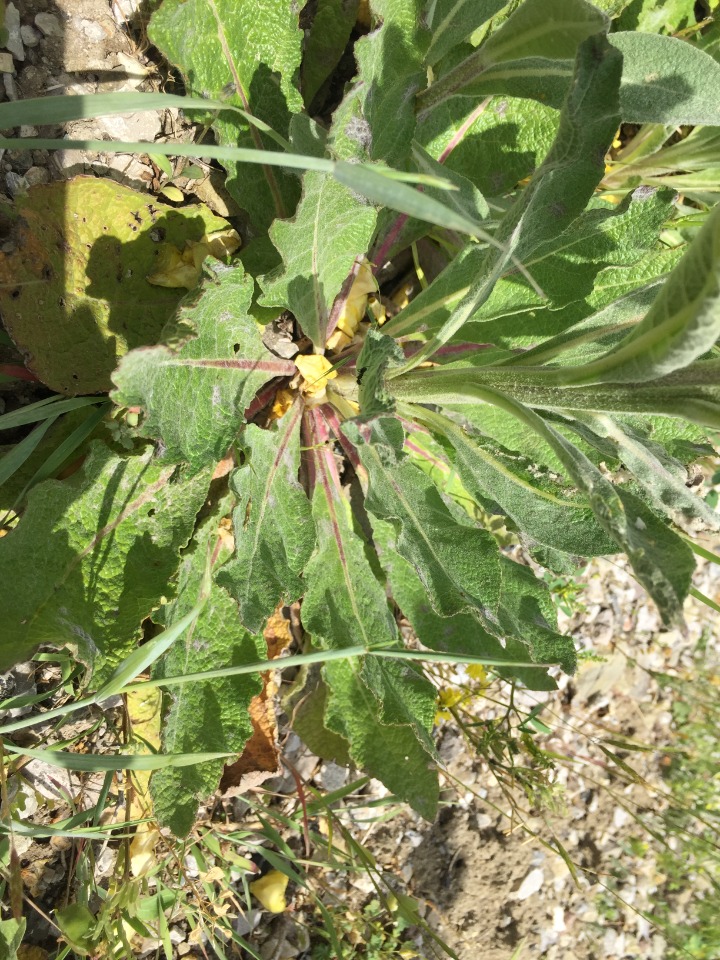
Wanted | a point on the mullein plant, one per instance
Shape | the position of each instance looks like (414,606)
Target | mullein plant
(559,371)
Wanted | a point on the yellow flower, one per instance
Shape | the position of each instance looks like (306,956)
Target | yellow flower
(316,371)
(478,672)
(447,698)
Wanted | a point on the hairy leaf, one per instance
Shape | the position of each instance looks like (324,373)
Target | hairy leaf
(251,48)
(453,21)
(73,293)
(460,633)
(273,528)
(682,324)
(194,390)
(662,561)
(318,247)
(107,542)
(540,503)
(209,717)
(457,563)
(345,605)
(666,80)
(325,42)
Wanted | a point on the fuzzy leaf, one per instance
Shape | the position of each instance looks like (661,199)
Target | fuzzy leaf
(682,324)
(84,250)
(666,80)
(505,143)
(195,389)
(460,633)
(531,55)
(273,528)
(373,704)
(325,42)
(378,354)
(664,478)
(389,74)
(332,227)
(457,563)
(108,541)
(453,21)
(209,717)
(253,49)
(662,561)
(540,503)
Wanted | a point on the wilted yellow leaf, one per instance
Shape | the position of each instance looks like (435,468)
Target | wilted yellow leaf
(354,308)
(316,371)
(178,268)
(270,891)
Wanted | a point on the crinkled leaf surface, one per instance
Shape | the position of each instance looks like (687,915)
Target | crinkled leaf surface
(457,563)
(383,708)
(318,248)
(107,543)
(390,73)
(662,561)
(460,633)
(73,293)
(274,534)
(505,143)
(210,717)
(194,389)
(530,55)
(539,502)
(682,324)
(251,48)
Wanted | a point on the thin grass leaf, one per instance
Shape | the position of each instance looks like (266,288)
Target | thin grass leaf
(50,407)
(13,460)
(94,763)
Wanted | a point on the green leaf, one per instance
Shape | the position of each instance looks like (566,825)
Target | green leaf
(540,502)
(465,200)
(84,250)
(559,190)
(253,49)
(460,633)
(379,353)
(666,80)
(663,477)
(682,324)
(273,528)
(209,717)
(457,563)
(11,937)
(194,390)
(373,704)
(494,147)
(129,761)
(662,561)
(391,753)
(325,42)
(319,246)
(531,55)
(107,542)
(390,73)
(453,21)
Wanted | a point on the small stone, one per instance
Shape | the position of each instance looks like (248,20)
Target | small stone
(92,30)
(12,25)
(9,84)
(37,175)
(15,183)
(28,131)
(48,24)
(30,36)
(7,64)
(530,885)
